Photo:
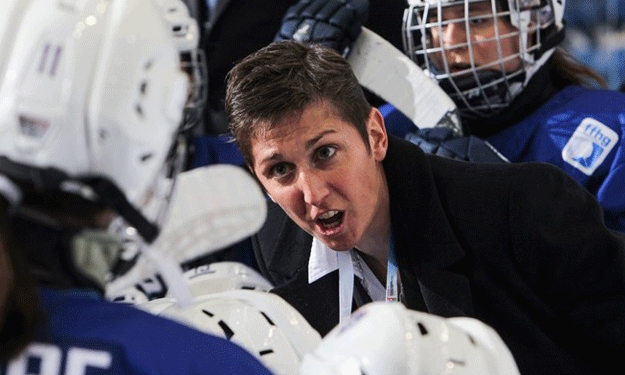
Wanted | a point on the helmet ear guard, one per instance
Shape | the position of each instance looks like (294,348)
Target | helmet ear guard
(541,20)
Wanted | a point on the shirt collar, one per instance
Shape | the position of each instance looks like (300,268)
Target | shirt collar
(323,261)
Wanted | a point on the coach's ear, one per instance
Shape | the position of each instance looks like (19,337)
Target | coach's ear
(376,130)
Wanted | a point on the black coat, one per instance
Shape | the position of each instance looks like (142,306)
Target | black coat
(521,247)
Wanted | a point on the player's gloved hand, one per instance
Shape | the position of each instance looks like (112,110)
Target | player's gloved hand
(332,23)
(442,142)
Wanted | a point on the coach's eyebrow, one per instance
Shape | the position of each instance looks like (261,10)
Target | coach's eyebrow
(311,142)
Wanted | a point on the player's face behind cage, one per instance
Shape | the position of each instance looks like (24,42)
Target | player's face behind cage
(481,51)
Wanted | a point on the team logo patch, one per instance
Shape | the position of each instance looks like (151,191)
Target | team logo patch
(589,145)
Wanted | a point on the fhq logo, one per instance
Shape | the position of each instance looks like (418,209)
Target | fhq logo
(589,145)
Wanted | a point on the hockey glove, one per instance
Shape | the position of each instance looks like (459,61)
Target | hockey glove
(332,23)
(442,142)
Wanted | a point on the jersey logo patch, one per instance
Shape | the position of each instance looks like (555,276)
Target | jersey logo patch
(589,145)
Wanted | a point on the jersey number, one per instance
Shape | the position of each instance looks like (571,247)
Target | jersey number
(50,359)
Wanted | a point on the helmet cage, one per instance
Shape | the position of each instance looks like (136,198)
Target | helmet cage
(193,62)
(185,31)
(481,90)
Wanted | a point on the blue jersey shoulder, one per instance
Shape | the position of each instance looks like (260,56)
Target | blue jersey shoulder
(544,134)
(579,129)
(120,339)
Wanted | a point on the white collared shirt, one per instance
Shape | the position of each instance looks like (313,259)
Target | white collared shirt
(323,260)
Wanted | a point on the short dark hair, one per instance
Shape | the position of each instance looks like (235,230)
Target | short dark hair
(283,79)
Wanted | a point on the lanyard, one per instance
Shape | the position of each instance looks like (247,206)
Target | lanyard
(346,280)
(392,274)
(346,284)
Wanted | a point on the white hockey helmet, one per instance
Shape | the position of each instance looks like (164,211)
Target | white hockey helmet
(223,276)
(202,280)
(386,338)
(92,96)
(482,89)
(155,306)
(260,322)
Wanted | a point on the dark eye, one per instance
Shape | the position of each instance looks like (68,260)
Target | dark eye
(480,18)
(476,21)
(325,152)
(279,170)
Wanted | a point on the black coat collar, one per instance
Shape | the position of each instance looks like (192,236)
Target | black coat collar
(430,256)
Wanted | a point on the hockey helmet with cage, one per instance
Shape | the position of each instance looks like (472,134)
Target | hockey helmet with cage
(387,338)
(482,89)
(92,96)
(262,323)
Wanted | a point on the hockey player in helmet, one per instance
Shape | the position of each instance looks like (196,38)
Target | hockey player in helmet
(500,62)
(92,97)
(387,338)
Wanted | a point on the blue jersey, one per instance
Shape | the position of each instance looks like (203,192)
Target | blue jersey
(578,129)
(87,335)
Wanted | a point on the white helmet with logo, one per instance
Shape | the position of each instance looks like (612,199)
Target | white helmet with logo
(481,89)
(260,322)
(223,276)
(92,97)
(202,280)
(386,338)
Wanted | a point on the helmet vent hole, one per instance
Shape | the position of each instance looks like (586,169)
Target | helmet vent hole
(139,110)
(268,320)
(422,329)
(144,87)
(179,30)
(227,331)
(265,352)
(210,314)
(472,340)
(146,157)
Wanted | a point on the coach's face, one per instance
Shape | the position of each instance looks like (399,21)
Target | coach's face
(318,169)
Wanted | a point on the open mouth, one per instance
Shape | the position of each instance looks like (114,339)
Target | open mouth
(460,68)
(330,220)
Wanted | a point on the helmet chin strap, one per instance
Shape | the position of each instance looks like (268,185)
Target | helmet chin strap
(529,73)
(96,189)
(10,191)
(110,195)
